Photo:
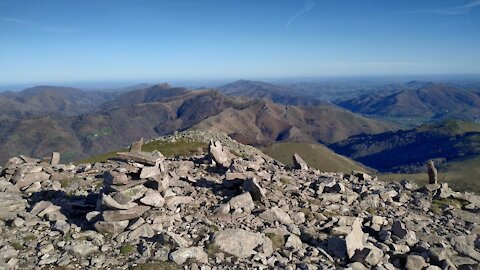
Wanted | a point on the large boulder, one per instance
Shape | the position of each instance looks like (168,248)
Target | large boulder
(219,154)
(240,243)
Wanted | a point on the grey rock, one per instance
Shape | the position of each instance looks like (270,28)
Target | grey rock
(112,227)
(130,194)
(415,262)
(399,230)
(111,203)
(219,154)
(238,242)
(153,198)
(354,240)
(432,172)
(299,163)
(243,201)
(115,178)
(251,185)
(82,249)
(182,255)
(119,215)
(55,158)
(276,214)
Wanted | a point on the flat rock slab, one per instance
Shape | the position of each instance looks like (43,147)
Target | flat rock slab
(141,157)
(119,215)
(10,204)
(238,242)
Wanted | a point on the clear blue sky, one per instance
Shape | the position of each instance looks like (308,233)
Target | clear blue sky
(83,40)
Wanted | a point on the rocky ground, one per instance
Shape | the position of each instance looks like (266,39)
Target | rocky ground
(230,208)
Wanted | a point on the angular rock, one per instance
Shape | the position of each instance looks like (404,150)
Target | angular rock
(30,178)
(276,214)
(136,146)
(149,171)
(293,242)
(153,198)
(112,227)
(251,185)
(119,215)
(115,178)
(243,201)
(415,262)
(219,154)
(10,205)
(299,163)
(147,158)
(354,240)
(55,158)
(399,230)
(111,203)
(130,194)
(432,172)
(182,255)
(83,249)
(238,242)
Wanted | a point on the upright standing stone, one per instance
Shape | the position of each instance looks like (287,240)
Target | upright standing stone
(299,163)
(55,158)
(136,146)
(432,172)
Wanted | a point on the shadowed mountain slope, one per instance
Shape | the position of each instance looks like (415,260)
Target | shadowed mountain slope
(404,150)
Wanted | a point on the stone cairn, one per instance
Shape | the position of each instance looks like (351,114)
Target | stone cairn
(432,172)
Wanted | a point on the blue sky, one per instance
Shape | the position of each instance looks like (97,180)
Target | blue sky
(83,40)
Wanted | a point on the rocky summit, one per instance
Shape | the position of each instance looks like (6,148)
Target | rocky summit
(224,210)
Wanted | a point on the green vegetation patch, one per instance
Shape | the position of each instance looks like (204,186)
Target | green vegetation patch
(127,249)
(439,204)
(461,175)
(278,241)
(316,156)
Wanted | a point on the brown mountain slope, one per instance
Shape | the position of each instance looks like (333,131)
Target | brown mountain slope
(81,136)
(254,121)
(264,122)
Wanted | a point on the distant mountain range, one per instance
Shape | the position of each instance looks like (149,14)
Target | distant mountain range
(276,93)
(429,102)
(50,100)
(161,109)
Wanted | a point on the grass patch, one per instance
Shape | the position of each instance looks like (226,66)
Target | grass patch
(278,241)
(214,228)
(168,149)
(316,156)
(17,245)
(29,237)
(461,175)
(127,249)
(167,265)
(65,183)
(212,249)
(285,180)
(439,204)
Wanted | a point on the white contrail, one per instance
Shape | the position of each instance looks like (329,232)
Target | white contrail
(309,4)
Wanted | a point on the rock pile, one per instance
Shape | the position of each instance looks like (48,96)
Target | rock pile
(221,211)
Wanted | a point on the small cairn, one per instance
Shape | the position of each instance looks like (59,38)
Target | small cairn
(432,172)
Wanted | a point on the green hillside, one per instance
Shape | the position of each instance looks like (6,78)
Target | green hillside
(461,175)
(316,155)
